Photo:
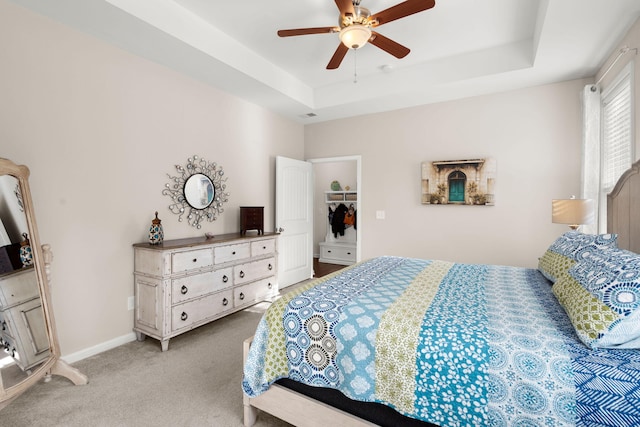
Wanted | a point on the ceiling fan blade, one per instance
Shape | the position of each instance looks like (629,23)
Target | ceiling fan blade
(345,7)
(305,31)
(388,45)
(401,10)
(337,57)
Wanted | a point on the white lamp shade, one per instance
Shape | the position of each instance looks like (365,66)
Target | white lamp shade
(355,36)
(574,212)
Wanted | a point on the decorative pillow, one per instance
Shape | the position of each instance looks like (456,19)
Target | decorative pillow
(569,248)
(601,295)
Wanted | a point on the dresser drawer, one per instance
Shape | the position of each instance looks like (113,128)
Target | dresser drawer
(255,291)
(230,253)
(186,288)
(254,270)
(263,247)
(186,314)
(17,287)
(191,260)
(343,253)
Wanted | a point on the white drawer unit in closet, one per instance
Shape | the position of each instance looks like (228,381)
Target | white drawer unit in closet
(182,284)
(338,253)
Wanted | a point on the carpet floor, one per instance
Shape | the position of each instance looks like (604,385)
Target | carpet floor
(197,382)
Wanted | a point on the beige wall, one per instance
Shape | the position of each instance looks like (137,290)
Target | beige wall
(535,137)
(100,129)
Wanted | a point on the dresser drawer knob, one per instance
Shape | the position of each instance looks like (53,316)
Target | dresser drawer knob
(270,267)
(269,285)
(233,253)
(184,290)
(264,248)
(225,301)
(241,295)
(184,316)
(348,253)
(225,279)
(329,251)
(195,260)
(241,274)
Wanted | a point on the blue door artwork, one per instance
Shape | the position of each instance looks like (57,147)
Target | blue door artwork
(463,182)
(456,187)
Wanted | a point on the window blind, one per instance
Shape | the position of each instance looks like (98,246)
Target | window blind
(616,133)
(617,137)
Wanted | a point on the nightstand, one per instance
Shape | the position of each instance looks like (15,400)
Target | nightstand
(251,218)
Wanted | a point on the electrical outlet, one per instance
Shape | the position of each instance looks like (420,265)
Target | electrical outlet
(131,303)
(380,214)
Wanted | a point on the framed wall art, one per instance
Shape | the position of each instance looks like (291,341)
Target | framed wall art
(459,182)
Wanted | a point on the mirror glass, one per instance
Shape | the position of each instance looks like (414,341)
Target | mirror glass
(199,191)
(24,342)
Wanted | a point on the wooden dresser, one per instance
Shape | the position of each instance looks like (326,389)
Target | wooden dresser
(185,283)
(23,334)
(251,218)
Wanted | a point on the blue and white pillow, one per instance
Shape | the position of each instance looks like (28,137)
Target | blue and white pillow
(601,295)
(571,247)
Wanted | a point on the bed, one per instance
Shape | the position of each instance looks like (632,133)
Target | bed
(401,341)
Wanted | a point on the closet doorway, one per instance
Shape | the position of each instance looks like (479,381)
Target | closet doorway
(347,170)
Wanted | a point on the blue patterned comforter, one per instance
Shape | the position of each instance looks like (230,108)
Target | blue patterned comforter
(451,344)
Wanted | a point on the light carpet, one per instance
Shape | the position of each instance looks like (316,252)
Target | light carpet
(197,382)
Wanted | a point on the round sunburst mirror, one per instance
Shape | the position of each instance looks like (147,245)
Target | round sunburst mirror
(197,192)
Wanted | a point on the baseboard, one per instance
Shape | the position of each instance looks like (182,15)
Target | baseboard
(96,349)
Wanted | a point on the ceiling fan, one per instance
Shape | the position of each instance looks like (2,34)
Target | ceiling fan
(355,27)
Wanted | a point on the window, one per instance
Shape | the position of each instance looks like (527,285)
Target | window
(616,137)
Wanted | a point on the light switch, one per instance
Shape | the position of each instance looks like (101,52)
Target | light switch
(379,214)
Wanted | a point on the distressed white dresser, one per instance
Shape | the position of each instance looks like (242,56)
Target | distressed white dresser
(185,283)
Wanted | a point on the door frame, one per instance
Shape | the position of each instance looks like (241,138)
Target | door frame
(358,160)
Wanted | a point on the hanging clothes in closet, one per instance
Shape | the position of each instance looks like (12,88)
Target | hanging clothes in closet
(336,218)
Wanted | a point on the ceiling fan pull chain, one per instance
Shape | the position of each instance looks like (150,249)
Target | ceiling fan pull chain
(355,65)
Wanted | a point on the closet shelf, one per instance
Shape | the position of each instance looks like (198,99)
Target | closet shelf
(340,196)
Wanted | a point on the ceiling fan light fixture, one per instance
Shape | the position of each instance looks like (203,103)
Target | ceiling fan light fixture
(355,36)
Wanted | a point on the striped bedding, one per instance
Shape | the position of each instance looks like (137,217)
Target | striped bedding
(447,343)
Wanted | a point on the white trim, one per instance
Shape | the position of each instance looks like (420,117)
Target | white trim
(97,349)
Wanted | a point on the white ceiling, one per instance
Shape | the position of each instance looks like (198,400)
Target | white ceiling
(460,48)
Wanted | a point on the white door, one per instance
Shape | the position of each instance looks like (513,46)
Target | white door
(294,220)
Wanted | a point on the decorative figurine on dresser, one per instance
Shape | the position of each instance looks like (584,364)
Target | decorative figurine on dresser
(185,283)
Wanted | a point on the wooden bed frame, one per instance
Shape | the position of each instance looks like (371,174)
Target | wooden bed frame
(295,408)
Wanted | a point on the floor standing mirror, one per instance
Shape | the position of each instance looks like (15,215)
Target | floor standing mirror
(29,348)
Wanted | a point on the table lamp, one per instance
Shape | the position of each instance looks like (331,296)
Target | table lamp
(574,212)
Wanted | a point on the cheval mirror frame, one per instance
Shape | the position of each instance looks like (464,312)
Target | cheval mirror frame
(42,257)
